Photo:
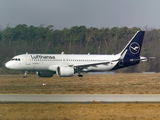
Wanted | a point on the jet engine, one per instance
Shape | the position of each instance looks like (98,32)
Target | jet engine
(45,73)
(65,71)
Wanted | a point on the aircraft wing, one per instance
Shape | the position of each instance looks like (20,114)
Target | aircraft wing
(93,63)
(98,63)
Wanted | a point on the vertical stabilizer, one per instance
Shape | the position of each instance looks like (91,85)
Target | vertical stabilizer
(130,55)
(134,46)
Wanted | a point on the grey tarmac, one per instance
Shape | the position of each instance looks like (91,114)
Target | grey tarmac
(109,98)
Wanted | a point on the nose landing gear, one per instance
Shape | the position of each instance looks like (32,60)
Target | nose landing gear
(25,74)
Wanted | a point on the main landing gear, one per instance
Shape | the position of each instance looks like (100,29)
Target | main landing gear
(79,75)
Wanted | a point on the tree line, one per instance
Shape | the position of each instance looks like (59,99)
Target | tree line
(77,40)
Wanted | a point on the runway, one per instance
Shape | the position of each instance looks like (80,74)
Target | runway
(109,98)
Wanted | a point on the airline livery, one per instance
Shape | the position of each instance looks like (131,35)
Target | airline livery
(66,65)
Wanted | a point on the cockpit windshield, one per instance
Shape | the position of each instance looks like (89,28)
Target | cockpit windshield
(15,59)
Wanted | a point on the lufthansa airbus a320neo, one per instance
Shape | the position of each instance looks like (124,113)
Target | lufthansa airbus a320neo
(66,65)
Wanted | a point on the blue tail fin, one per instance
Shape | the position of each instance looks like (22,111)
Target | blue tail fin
(133,48)
(130,55)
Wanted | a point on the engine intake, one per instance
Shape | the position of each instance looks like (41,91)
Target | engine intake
(65,71)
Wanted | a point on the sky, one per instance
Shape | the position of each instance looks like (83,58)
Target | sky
(90,13)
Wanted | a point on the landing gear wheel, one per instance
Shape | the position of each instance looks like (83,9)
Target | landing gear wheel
(80,75)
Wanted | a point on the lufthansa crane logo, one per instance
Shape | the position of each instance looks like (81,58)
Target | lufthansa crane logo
(134,48)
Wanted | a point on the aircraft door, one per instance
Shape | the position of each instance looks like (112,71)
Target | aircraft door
(28,59)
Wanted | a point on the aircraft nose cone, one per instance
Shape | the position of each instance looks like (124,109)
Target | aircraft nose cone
(7,65)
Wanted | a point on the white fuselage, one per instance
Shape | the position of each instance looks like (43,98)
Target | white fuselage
(36,62)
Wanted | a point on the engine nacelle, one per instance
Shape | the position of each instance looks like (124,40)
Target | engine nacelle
(45,73)
(65,71)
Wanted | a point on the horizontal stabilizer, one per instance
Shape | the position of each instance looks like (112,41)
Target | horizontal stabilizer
(142,59)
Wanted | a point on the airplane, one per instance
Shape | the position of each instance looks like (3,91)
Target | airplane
(66,65)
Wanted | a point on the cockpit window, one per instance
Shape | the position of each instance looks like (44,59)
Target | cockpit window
(15,59)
